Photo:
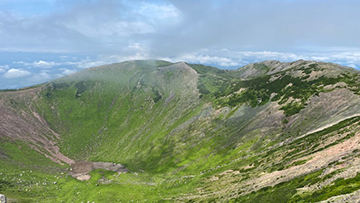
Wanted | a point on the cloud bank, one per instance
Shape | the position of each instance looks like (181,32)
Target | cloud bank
(79,34)
(16,73)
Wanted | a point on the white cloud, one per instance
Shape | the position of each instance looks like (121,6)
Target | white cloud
(44,64)
(4,68)
(173,27)
(109,31)
(266,55)
(206,59)
(137,51)
(223,58)
(234,59)
(64,57)
(44,75)
(16,73)
(39,78)
(86,26)
(160,14)
(39,64)
(68,72)
(231,59)
(88,63)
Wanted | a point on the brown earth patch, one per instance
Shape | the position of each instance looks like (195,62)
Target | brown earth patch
(81,169)
(20,120)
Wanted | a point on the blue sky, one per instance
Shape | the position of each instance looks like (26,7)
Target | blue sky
(45,39)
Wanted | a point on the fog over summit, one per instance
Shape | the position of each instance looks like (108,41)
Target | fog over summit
(70,35)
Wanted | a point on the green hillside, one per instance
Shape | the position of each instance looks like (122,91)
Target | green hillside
(266,132)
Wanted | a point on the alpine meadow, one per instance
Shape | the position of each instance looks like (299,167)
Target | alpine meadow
(157,131)
(183,101)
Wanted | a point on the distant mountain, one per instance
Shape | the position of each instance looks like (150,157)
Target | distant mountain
(266,132)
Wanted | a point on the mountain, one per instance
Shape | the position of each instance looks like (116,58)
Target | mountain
(159,131)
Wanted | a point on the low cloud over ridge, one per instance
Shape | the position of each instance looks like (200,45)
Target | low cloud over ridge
(226,34)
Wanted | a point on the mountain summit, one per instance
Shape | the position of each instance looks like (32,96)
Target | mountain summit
(266,132)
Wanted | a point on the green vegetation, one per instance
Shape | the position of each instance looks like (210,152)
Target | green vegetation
(282,192)
(339,187)
(223,87)
(25,174)
(183,136)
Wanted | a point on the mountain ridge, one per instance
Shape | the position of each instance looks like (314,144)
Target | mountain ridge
(270,67)
(192,132)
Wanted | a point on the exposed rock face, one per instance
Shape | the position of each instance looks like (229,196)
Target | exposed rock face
(20,120)
(327,108)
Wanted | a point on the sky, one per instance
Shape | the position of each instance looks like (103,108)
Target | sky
(41,40)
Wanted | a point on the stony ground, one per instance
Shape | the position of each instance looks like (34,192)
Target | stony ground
(81,169)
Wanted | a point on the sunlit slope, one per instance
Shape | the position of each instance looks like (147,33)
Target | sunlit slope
(121,112)
(194,132)
(152,115)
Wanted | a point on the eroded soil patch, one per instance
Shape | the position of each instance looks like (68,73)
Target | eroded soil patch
(81,169)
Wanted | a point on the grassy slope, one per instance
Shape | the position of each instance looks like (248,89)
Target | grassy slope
(150,118)
(25,174)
